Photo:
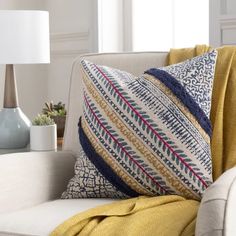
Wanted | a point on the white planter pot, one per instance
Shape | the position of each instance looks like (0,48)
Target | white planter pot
(43,138)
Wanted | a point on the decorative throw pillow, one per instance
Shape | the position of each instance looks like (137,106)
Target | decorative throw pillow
(147,135)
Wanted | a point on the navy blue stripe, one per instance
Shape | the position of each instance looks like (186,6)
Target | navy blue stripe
(103,167)
(175,86)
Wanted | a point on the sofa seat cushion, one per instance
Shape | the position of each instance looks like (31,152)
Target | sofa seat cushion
(44,218)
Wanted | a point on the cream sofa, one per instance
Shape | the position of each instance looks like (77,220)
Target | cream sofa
(31,183)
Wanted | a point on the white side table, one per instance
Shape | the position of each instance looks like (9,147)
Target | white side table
(27,149)
(5,151)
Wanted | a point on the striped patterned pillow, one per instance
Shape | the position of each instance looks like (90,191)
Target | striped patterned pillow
(147,135)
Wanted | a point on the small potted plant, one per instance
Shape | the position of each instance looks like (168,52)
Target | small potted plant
(58,113)
(43,133)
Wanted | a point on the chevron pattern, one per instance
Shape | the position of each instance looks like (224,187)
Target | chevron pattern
(146,135)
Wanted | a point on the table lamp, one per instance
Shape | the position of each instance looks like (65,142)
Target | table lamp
(24,39)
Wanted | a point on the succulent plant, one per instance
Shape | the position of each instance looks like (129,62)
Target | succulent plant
(54,109)
(42,120)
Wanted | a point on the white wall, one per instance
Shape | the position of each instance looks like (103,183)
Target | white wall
(73,32)
(230,7)
(22,4)
(222,22)
(111,25)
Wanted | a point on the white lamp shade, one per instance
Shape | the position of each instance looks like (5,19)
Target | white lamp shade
(24,37)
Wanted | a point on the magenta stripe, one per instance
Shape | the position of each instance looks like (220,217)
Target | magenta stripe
(123,149)
(153,130)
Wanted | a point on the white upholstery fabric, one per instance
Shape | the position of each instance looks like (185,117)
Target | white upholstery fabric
(44,218)
(135,63)
(217,213)
(27,179)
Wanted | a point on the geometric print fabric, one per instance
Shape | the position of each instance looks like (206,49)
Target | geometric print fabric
(147,135)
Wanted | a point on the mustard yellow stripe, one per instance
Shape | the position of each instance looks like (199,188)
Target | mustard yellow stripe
(141,149)
(111,162)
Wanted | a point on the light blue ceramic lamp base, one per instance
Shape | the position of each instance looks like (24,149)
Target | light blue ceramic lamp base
(14,128)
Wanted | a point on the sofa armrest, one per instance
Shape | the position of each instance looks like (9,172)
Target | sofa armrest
(217,212)
(27,179)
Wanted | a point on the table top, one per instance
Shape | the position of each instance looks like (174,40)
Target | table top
(5,151)
(27,149)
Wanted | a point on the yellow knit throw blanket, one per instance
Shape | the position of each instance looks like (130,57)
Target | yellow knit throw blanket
(170,215)
(223,110)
